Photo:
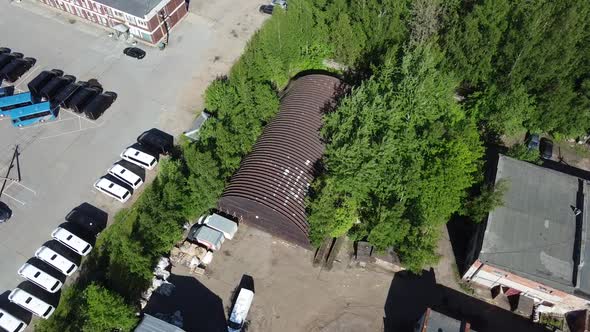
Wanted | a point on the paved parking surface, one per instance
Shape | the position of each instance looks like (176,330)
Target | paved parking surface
(60,160)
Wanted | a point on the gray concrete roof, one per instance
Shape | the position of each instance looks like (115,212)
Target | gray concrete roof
(533,234)
(138,8)
(438,322)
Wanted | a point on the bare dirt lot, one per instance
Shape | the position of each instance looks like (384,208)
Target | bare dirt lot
(290,294)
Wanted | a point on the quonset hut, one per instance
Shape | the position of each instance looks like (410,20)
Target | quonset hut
(269,189)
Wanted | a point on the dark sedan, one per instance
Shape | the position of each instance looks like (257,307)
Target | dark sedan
(546,148)
(134,52)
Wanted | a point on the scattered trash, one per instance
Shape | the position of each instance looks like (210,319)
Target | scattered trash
(165,288)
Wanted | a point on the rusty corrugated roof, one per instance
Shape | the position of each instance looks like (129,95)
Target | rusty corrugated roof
(270,187)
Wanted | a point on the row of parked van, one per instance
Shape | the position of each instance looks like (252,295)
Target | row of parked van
(62,90)
(45,274)
(121,180)
(13,64)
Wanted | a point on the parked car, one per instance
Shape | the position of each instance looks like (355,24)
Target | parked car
(266,9)
(5,212)
(99,104)
(532,142)
(546,147)
(240,310)
(139,158)
(71,240)
(157,140)
(5,50)
(84,220)
(31,303)
(112,189)
(220,223)
(126,176)
(15,69)
(40,278)
(57,260)
(11,323)
(134,52)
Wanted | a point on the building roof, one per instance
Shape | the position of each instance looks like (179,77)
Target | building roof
(434,321)
(138,8)
(534,233)
(221,224)
(153,324)
(207,236)
(270,187)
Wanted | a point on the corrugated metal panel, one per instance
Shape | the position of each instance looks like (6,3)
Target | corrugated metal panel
(153,324)
(270,187)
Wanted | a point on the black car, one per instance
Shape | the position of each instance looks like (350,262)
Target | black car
(266,9)
(4,50)
(157,140)
(546,148)
(134,52)
(5,212)
(85,221)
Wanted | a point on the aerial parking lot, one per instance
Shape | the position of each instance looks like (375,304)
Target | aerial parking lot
(58,161)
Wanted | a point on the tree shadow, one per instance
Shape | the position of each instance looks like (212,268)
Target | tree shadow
(202,310)
(409,296)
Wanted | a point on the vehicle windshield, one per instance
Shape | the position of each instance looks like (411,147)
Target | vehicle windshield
(234,325)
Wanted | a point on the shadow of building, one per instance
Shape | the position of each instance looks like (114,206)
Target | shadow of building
(201,309)
(409,296)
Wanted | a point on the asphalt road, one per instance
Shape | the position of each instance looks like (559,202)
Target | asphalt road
(60,160)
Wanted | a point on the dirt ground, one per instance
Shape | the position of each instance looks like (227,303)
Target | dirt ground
(290,294)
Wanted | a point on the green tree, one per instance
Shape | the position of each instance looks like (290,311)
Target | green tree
(489,198)
(104,310)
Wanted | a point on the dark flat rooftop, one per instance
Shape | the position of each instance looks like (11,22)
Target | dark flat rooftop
(534,233)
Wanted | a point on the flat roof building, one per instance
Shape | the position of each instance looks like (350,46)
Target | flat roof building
(269,189)
(536,244)
(146,20)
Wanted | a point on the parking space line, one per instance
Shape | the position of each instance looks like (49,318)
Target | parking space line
(22,185)
(5,194)
(24,78)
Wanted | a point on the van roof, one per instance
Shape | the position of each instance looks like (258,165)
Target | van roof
(139,155)
(242,306)
(111,186)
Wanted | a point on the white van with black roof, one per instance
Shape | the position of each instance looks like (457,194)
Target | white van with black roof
(30,302)
(126,176)
(40,278)
(11,323)
(56,260)
(112,189)
(139,158)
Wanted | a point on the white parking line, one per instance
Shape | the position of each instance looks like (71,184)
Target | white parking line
(24,78)
(5,194)
(22,185)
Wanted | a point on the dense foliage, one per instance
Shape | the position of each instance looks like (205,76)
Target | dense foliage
(431,81)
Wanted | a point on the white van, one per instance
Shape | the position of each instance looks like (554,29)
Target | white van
(112,189)
(56,260)
(71,241)
(139,158)
(31,303)
(125,175)
(11,323)
(240,311)
(40,278)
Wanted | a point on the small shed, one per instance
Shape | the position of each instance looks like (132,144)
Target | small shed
(222,224)
(153,324)
(193,132)
(209,237)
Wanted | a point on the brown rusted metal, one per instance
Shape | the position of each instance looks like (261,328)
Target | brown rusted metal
(269,189)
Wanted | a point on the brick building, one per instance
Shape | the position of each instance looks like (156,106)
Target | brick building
(146,20)
(536,244)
